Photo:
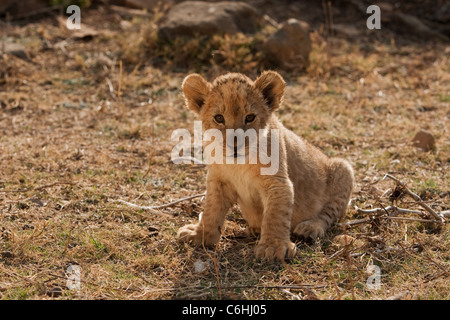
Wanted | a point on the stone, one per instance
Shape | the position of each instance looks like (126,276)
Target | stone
(191,18)
(22,8)
(7,255)
(289,47)
(199,266)
(424,140)
(14,49)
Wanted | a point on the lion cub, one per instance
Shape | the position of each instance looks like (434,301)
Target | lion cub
(307,194)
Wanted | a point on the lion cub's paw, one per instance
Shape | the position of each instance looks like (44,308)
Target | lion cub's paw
(196,234)
(253,231)
(276,249)
(310,229)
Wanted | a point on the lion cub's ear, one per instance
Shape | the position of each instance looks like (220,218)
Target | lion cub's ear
(195,89)
(271,85)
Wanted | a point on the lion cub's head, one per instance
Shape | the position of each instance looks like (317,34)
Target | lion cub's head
(233,101)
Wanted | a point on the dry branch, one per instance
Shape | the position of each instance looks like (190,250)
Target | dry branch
(391,212)
(154,208)
(412,219)
(129,12)
(419,201)
(39,187)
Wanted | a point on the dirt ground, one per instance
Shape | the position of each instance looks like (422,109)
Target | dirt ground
(86,119)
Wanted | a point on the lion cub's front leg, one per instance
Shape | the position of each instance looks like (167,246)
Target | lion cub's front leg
(275,228)
(208,230)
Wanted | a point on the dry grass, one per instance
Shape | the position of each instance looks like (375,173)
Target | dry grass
(69,144)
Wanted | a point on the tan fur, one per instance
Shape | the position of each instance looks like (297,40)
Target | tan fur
(306,196)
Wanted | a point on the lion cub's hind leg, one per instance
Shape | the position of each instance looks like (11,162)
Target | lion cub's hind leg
(252,213)
(339,188)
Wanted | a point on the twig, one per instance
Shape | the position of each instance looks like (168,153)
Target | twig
(394,210)
(154,208)
(412,219)
(436,215)
(137,206)
(119,88)
(390,212)
(110,87)
(177,201)
(295,296)
(40,187)
(372,211)
(129,12)
(334,255)
(271,21)
(354,222)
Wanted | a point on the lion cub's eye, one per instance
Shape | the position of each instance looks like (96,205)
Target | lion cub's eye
(250,118)
(219,118)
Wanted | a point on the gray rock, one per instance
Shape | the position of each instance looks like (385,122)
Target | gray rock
(15,49)
(191,18)
(424,140)
(289,47)
(22,8)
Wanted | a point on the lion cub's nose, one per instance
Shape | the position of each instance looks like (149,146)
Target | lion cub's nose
(235,152)
(233,147)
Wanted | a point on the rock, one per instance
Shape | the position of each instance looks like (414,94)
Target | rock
(153,231)
(199,266)
(22,8)
(191,18)
(7,255)
(55,292)
(424,140)
(289,47)
(15,49)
